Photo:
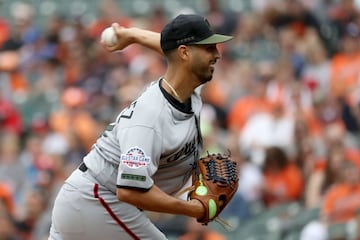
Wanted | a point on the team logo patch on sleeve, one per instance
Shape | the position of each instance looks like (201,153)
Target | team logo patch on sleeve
(135,158)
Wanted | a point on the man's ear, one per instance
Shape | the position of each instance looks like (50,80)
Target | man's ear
(183,52)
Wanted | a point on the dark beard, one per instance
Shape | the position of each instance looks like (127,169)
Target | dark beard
(205,80)
(202,72)
(204,76)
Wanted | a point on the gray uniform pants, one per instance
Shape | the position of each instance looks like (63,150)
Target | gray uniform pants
(84,209)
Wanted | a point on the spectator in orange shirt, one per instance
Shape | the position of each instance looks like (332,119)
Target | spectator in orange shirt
(283,181)
(345,64)
(321,178)
(10,59)
(246,106)
(341,202)
(73,121)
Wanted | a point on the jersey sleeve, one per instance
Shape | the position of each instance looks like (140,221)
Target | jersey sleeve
(139,160)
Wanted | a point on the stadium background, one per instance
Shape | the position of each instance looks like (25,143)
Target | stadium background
(285,99)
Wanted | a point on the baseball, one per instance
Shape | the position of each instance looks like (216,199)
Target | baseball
(108,36)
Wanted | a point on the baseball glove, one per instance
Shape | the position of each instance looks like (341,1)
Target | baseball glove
(215,180)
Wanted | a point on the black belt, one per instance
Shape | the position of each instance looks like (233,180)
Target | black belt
(83,167)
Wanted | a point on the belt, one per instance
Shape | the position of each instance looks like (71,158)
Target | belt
(83,167)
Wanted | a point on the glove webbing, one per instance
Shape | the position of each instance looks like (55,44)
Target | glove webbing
(223,173)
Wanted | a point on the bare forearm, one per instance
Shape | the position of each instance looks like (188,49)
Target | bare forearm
(134,35)
(147,39)
(158,201)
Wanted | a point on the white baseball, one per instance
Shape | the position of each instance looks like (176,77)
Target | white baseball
(109,37)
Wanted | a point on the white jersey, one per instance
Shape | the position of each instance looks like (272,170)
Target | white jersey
(153,141)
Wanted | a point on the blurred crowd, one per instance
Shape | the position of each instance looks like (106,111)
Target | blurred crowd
(285,99)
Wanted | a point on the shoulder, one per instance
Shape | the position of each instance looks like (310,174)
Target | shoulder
(152,101)
(146,109)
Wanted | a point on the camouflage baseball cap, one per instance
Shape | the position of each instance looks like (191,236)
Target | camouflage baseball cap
(189,29)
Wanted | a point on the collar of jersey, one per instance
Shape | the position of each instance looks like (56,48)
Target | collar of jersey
(183,107)
(178,110)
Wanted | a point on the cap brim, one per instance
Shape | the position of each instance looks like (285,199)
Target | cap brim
(215,38)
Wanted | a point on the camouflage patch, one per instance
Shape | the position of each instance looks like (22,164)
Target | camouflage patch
(133,177)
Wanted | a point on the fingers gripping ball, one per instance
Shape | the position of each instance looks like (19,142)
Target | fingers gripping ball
(109,37)
(215,180)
